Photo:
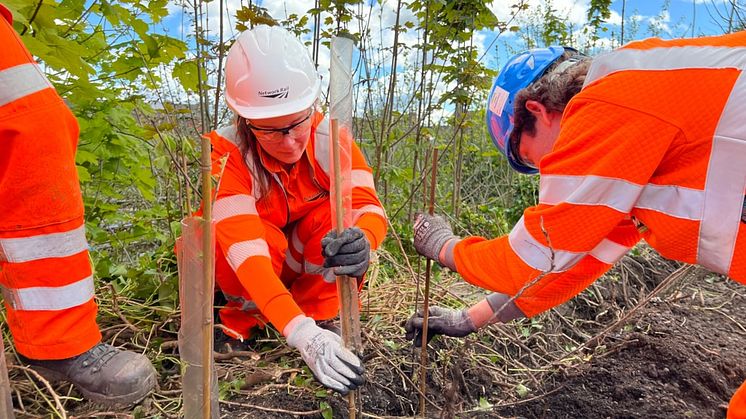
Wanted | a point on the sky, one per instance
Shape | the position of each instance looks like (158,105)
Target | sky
(643,18)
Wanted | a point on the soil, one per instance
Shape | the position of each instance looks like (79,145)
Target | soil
(680,356)
(682,360)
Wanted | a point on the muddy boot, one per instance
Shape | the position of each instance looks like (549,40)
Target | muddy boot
(104,374)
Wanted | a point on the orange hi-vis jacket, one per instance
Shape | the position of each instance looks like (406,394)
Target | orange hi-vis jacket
(44,267)
(268,251)
(657,136)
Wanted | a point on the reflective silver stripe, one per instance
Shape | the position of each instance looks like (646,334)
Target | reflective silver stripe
(321,149)
(298,245)
(239,252)
(21,80)
(539,257)
(676,201)
(230,133)
(326,273)
(54,245)
(666,58)
(621,195)
(368,209)
(362,178)
(234,205)
(50,298)
(617,194)
(293,264)
(609,251)
(725,184)
(246,305)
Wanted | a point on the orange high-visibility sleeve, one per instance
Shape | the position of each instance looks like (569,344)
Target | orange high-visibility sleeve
(242,238)
(568,243)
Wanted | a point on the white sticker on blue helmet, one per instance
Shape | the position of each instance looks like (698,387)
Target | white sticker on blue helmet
(497,102)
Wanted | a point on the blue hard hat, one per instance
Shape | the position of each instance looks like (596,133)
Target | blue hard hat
(519,72)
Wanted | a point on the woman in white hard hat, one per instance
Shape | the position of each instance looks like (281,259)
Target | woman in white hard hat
(276,254)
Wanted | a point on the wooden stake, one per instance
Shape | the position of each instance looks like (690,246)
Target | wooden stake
(349,312)
(426,299)
(207,258)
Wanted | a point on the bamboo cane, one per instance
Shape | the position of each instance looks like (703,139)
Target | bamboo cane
(207,259)
(347,287)
(341,114)
(426,299)
(6,403)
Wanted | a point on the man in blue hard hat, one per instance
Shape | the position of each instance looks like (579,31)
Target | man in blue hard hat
(646,142)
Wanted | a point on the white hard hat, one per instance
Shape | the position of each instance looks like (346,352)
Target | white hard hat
(269,73)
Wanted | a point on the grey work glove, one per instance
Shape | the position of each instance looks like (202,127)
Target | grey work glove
(331,363)
(348,253)
(431,233)
(442,321)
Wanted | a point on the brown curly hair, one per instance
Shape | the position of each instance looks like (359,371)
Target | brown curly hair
(554,90)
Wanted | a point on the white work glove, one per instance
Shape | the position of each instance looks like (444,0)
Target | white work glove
(331,363)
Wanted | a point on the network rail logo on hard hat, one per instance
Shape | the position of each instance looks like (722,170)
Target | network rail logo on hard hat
(279,93)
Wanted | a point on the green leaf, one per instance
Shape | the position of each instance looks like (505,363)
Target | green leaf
(326,410)
(186,72)
(83,175)
(522,390)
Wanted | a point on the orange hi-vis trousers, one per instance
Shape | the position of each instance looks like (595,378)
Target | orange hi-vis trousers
(737,405)
(45,272)
(297,260)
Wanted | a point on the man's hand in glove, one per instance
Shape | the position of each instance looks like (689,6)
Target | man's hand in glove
(332,364)
(347,253)
(442,321)
(431,234)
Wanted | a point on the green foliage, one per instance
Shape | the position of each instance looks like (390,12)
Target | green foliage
(523,194)
(598,12)
(187,73)
(227,389)
(252,15)
(96,54)
(556,30)
(326,410)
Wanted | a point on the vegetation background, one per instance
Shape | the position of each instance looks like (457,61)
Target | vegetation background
(144,92)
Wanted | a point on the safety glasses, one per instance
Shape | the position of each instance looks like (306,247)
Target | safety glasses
(273,132)
(515,150)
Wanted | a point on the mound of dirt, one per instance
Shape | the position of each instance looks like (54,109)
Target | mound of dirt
(678,359)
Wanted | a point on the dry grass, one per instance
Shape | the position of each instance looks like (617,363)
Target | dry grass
(498,366)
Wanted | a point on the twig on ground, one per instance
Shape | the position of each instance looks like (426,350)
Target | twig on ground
(60,409)
(272,409)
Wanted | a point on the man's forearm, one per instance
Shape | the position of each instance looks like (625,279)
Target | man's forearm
(496,307)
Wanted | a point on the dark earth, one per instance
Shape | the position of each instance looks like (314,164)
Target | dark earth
(679,356)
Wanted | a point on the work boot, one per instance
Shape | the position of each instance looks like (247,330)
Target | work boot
(104,374)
